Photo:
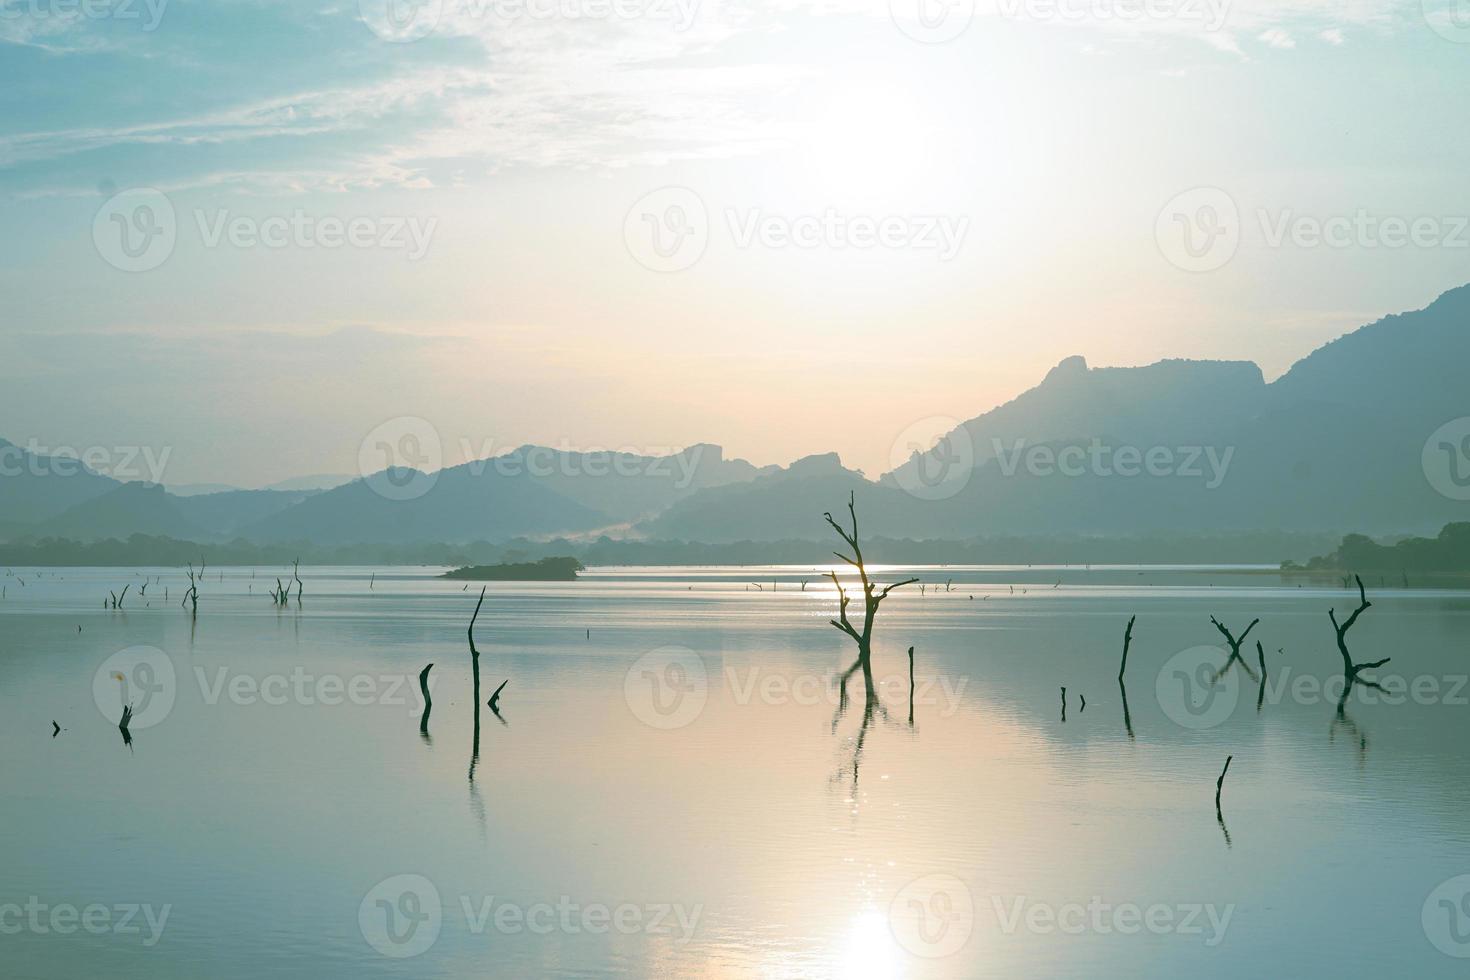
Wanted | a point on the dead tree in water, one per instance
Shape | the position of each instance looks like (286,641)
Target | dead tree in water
(1123,666)
(191,596)
(1235,657)
(296,574)
(428,701)
(1219,786)
(475,668)
(872,598)
(494,703)
(1351,670)
(1261,692)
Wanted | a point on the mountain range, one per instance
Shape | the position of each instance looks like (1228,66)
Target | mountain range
(1338,443)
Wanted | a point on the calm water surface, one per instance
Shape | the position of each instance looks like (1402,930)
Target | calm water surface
(676,792)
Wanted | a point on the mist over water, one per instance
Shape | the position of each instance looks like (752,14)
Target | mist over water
(665,792)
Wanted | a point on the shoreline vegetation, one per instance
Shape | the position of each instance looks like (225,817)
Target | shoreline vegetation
(1445,555)
(557,569)
(138,551)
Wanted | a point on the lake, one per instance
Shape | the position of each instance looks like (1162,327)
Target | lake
(672,787)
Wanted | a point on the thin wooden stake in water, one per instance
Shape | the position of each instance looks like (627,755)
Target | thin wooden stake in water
(428,701)
(1127,642)
(1220,785)
(911,687)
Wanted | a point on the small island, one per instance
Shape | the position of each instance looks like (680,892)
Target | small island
(546,570)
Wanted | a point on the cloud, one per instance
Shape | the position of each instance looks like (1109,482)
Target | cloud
(517,83)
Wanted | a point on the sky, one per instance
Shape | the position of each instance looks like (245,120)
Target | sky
(253,233)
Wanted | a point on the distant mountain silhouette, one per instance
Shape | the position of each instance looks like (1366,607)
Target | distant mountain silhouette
(778,505)
(35,487)
(130,508)
(1335,445)
(533,491)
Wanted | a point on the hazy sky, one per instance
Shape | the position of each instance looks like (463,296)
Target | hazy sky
(974,193)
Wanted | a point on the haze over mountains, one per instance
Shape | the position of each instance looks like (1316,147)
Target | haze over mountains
(1337,444)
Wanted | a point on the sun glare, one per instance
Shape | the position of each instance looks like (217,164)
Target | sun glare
(870,951)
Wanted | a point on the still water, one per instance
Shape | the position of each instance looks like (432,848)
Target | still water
(671,787)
